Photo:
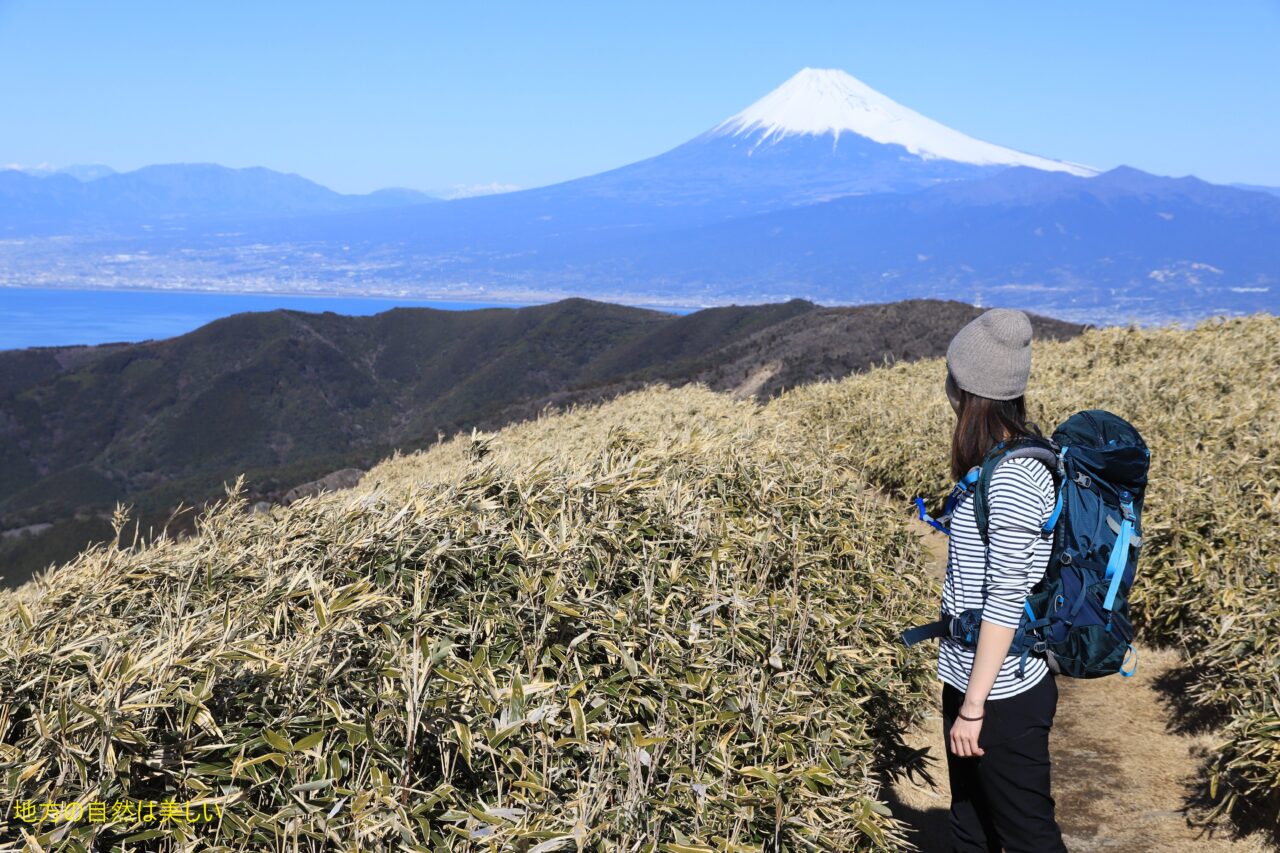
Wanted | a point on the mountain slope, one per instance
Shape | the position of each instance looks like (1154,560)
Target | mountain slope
(287,396)
(1258,189)
(1123,245)
(813,346)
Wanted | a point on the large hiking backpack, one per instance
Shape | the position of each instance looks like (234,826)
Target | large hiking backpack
(1077,616)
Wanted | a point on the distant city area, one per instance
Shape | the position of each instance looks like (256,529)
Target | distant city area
(284,269)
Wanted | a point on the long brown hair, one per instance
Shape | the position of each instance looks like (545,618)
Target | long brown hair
(981,424)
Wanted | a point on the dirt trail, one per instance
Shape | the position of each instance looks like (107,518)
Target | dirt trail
(1120,775)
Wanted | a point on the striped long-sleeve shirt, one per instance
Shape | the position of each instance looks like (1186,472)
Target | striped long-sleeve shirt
(998,578)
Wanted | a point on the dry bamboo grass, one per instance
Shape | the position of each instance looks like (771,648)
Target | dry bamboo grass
(675,635)
(1208,403)
(313,641)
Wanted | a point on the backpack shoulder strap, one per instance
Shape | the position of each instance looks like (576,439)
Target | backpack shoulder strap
(1033,447)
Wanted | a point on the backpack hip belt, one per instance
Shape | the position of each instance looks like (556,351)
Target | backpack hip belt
(965,627)
(962,627)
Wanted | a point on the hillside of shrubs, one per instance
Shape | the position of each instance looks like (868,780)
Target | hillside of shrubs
(665,623)
(672,630)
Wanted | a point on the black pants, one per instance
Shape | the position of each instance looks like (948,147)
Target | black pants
(1000,800)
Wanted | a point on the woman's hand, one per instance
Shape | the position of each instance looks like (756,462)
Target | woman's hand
(993,645)
(964,734)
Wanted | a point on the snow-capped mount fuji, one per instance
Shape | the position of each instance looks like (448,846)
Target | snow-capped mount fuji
(829,101)
(820,135)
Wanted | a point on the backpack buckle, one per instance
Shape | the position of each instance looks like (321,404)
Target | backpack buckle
(964,626)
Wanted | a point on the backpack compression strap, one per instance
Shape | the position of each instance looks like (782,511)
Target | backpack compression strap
(1119,554)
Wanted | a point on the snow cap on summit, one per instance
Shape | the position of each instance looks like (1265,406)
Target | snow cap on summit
(828,100)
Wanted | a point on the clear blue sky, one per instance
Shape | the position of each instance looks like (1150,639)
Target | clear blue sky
(433,95)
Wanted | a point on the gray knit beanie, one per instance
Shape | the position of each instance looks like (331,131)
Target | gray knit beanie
(991,357)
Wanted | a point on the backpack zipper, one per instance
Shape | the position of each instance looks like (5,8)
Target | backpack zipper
(1096,429)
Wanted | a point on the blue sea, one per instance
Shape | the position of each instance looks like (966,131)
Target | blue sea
(41,317)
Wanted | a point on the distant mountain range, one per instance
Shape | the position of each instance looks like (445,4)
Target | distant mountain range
(1258,189)
(92,198)
(81,172)
(824,189)
(1121,245)
(287,396)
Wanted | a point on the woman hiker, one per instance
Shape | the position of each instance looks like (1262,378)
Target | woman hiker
(995,723)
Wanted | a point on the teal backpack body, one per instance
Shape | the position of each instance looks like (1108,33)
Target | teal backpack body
(1077,616)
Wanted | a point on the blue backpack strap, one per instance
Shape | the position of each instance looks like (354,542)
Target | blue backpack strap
(1119,552)
(943,522)
(929,519)
(1035,447)
(1022,661)
(1059,475)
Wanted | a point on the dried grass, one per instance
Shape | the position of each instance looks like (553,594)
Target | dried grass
(665,623)
(674,635)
